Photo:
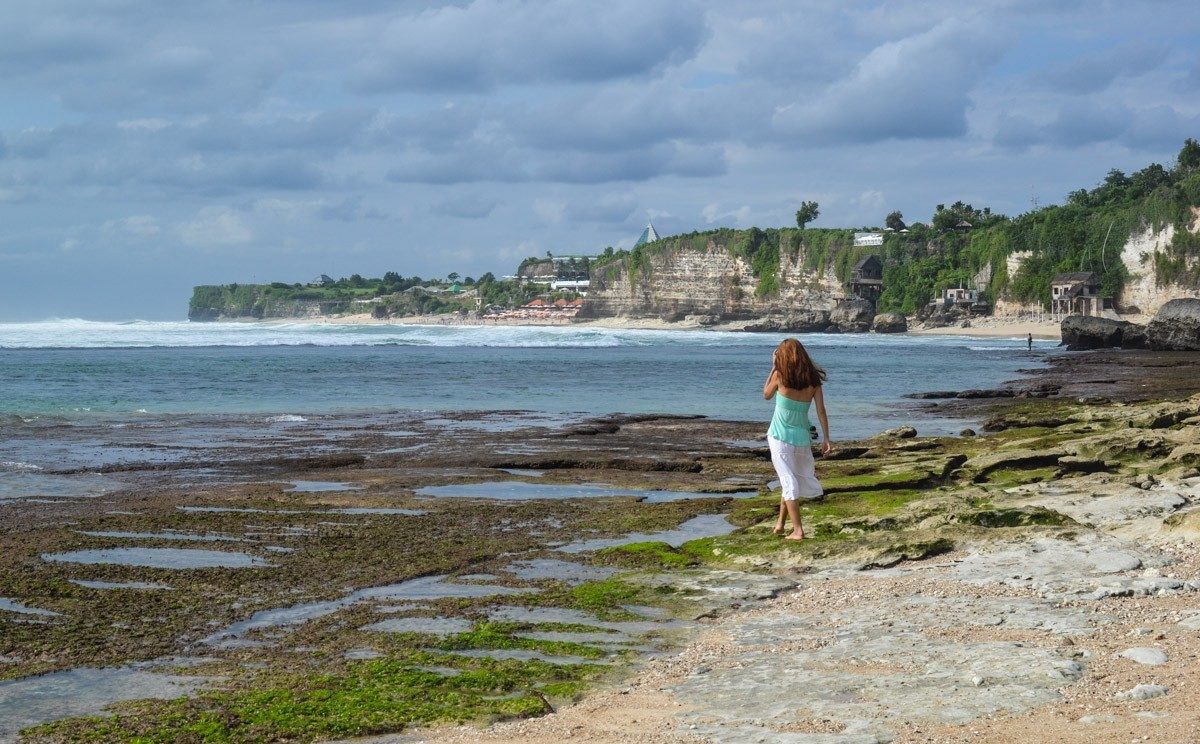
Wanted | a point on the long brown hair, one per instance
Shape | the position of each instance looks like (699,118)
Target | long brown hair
(796,367)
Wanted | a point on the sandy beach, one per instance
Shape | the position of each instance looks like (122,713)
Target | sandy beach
(998,328)
(980,327)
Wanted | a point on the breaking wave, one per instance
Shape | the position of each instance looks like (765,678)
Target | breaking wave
(77,333)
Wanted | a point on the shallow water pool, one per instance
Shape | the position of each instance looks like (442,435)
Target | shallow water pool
(175,558)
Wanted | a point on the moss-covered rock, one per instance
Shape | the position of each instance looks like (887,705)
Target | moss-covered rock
(1014,517)
(909,550)
(981,465)
(645,555)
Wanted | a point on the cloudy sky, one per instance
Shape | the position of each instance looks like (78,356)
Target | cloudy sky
(149,146)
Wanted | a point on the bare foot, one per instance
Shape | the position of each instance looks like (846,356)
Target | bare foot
(779,528)
(797,535)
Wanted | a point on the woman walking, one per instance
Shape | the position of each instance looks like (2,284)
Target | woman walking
(795,382)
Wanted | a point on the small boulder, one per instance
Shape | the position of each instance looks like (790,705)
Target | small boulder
(986,393)
(1083,332)
(967,433)
(806,321)
(1142,692)
(853,315)
(1144,655)
(1185,454)
(900,432)
(1176,327)
(889,323)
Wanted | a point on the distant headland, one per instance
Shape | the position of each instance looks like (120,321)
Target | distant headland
(1120,251)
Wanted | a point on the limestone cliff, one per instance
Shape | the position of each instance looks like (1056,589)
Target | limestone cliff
(1143,290)
(711,280)
(1009,306)
(265,309)
(260,301)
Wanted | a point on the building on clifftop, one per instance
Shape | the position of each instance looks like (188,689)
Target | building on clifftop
(862,239)
(1077,293)
(866,280)
(649,235)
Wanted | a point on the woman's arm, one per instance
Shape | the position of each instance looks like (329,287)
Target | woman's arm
(827,447)
(771,385)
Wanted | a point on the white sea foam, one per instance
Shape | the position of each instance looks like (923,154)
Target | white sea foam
(22,467)
(78,333)
(286,418)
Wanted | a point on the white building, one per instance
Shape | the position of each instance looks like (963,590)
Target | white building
(574,285)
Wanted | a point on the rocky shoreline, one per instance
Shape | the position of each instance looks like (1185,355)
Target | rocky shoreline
(1176,327)
(422,576)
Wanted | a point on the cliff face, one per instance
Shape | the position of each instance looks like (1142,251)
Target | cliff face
(1004,305)
(1143,290)
(710,282)
(250,302)
(266,310)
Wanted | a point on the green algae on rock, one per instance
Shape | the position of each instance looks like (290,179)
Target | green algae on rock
(898,500)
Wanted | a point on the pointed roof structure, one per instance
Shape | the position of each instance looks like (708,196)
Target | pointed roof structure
(649,235)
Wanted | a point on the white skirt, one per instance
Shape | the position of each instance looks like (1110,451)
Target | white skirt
(796,469)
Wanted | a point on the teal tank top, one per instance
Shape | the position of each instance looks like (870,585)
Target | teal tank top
(790,423)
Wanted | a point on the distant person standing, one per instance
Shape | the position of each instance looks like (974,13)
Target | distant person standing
(1029,341)
(795,382)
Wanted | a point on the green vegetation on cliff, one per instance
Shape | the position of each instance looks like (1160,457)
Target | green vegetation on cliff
(392,295)
(1086,233)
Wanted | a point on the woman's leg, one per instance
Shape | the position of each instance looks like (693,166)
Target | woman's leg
(793,508)
(783,471)
(783,457)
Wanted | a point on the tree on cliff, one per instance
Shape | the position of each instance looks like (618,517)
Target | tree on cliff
(1189,156)
(808,211)
(895,220)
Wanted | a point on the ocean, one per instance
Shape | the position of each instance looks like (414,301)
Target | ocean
(195,382)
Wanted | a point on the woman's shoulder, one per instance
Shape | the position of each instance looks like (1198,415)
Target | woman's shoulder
(800,395)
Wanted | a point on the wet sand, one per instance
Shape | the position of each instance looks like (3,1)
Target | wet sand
(998,327)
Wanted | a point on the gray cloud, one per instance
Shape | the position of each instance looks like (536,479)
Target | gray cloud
(474,163)
(1081,123)
(1094,72)
(1162,128)
(917,87)
(465,206)
(489,43)
(609,208)
(324,131)
(624,116)
(1191,82)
